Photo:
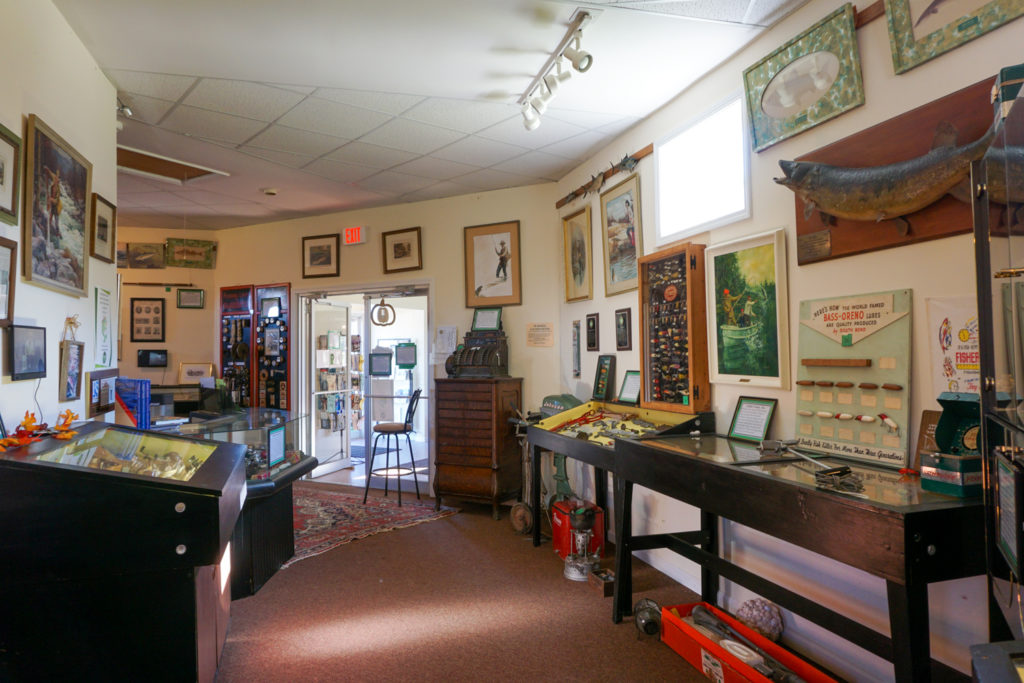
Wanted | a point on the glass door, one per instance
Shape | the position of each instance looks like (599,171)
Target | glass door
(329,382)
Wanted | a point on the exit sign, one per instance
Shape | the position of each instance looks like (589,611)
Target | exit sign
(356,235)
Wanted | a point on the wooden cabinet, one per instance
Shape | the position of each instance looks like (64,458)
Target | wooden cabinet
(478,456)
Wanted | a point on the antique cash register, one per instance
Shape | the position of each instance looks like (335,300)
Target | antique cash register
(484,353)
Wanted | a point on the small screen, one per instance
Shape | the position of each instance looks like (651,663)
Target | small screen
(275,446)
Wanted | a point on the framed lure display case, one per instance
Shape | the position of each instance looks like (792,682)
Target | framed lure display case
(673,330)
(272,347)
(119,537)
(236,354)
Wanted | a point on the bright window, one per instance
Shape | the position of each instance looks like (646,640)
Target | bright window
(702,174)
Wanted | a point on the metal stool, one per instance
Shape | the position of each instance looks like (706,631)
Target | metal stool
(396,429)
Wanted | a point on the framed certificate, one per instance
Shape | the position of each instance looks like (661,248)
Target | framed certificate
(752,417)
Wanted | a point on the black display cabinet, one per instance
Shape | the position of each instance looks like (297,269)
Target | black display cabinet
(113,545)
(997,184)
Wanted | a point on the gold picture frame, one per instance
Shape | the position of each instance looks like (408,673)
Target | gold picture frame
(621,236)
(492,265)
(10,175)
(578,256)
(72,359)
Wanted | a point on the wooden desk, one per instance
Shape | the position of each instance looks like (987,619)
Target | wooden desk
(897,531)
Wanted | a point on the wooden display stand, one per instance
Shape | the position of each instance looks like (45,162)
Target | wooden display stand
(673,330)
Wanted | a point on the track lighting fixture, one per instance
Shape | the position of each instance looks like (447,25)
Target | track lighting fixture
(123,109)
(545,84)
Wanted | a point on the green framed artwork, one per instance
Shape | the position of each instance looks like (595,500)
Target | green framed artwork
(747,313)
(919,31)
(182,253)
(812,78)
(752,418)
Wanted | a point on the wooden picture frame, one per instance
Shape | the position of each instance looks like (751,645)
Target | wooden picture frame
(492,265)
(593,332)
(72,359)
(623,329)
(26,352)
(191,298)
(58,211)
(185,253)
(578,256)
(101,392)
(747,311)
(191,373)
(621,236)
(8,278)
(916,37)
(10,175)
(320,256)
(401,250)
(103,230)
(824,64)
(147,318)
(752,418)
(146,255)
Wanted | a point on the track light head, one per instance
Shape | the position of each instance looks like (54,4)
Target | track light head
(531,118)
(553,80)
(123,109)
(540,100)
(581,60)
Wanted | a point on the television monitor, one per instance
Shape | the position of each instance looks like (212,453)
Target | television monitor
(275,445)
(27,352)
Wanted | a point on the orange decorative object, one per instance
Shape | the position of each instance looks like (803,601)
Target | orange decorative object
(64,420)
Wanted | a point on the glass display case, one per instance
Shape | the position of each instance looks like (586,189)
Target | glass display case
(673,330)
(270,436)
(997,191)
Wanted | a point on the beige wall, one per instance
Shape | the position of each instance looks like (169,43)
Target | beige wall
(48,72)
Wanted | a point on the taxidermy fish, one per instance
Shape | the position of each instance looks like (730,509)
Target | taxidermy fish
(877,193)
(1004,181)
(626,164)
(595,184)
(569,197)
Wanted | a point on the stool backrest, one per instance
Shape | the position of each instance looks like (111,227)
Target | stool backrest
(410,411)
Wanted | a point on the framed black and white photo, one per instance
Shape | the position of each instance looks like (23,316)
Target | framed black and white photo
(402,250)
(147,320)
(320,256)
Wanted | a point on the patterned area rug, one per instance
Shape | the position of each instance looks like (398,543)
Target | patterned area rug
(326,517)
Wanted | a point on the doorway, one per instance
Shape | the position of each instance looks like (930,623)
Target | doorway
(366,352)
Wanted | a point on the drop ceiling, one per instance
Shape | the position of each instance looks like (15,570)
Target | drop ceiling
(321,106)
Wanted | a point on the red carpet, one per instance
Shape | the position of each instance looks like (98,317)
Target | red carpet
(326,517)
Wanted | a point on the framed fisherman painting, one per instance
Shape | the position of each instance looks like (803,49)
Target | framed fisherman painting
(746,290)
(621,235)
(492,265)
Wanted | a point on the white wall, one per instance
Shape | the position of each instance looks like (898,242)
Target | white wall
(48,72)
(939,268)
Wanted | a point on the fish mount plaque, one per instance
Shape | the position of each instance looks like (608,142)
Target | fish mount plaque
(905,137)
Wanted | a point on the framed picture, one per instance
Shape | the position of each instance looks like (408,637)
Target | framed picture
(604,379)
(122,254)
(919,31)
(624,329)
(486,319)
(10,175)
(71,353)
(8,277)
(103,233)
(100,384)
(578,254)
(270,307)
(402,251)
(809,80)
(380,364)
(752,418)
(629,392)
(747,311)
(26,352)
(191,373)
(147,320)
(191,298)
(182,253)
(575,348)
(149,255)
(272,341)
(320,256)
(492,265)
(593,339)
(621,235)
(58,211)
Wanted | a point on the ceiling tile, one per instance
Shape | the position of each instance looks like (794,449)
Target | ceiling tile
(395,183)
(585,119)
(147,109)
(242,98)
(438,191)
(209,124)
(332,118)
(301,89)
(339,170)
(370,155)
(164,200)
(128,183)
(438,169)
(411,136)
(489,179)
(579,147)
(284,158)
(462,115)
(160,86)
(389,103)
(514,133)
(285,139)
(478,151)
(537,164)
(205,197)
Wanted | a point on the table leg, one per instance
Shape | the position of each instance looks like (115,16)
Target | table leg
(709,582)
(908,621)
(601,496)
(535,493)
(623,590)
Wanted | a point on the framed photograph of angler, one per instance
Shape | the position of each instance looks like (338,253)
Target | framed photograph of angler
(492,265)
(58,211)
(747,311)
(621,235)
